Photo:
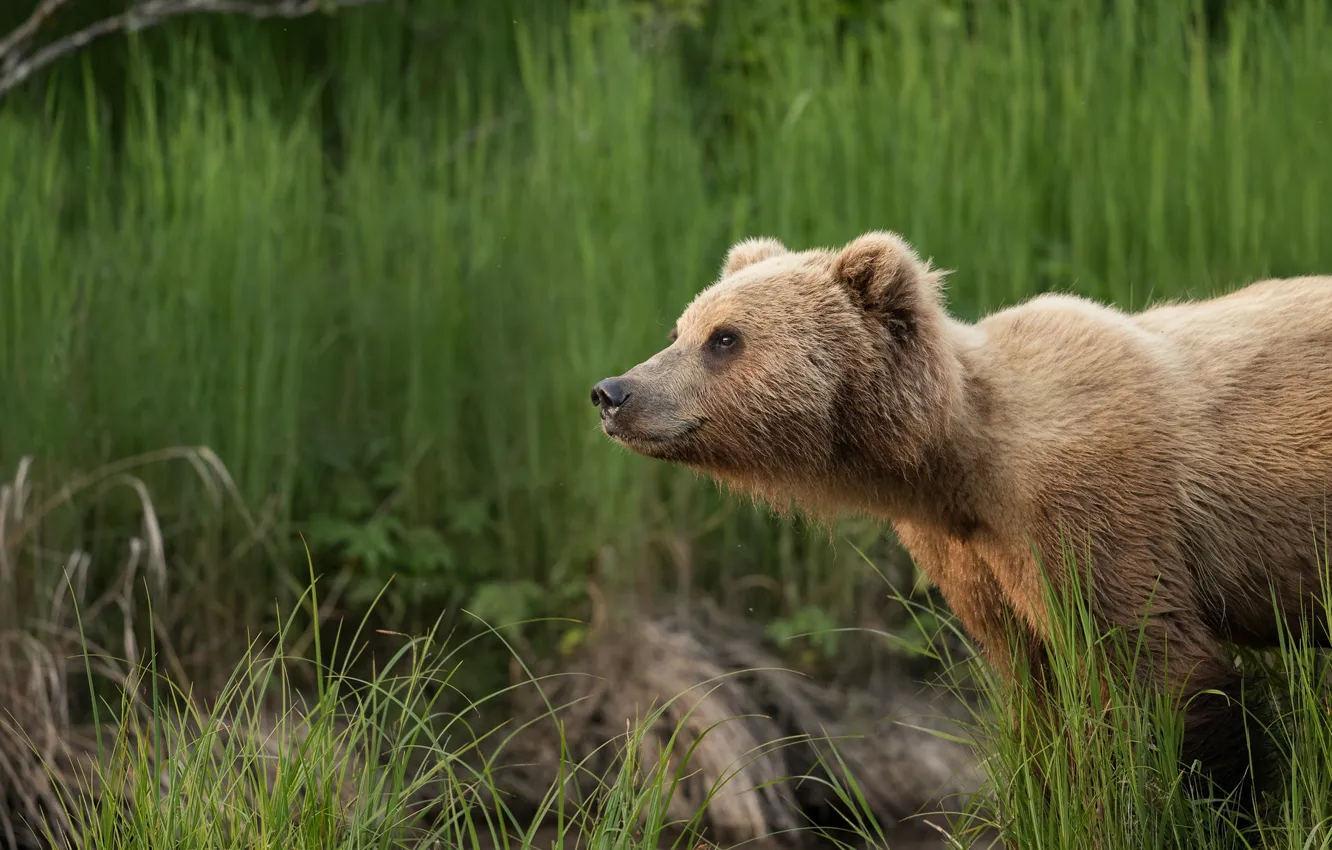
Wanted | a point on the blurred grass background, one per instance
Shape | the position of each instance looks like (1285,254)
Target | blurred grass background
(375,260)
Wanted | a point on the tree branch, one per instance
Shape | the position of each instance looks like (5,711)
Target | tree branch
(11,48)
(18,61)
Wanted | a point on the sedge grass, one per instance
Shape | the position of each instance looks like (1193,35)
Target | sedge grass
(382,293)
(317,739)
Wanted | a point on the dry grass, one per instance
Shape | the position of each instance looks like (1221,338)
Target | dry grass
(60,642)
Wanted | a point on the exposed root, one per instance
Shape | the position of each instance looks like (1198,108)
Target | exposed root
(759,742)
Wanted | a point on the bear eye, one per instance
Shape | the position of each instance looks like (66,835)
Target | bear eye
(724,339)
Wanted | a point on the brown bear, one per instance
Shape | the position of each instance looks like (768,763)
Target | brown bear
(1188,447)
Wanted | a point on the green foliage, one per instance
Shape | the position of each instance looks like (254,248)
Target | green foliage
(370,534)
(811,622)
(507,603)
(379,288)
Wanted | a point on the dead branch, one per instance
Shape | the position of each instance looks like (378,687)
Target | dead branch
(19,60)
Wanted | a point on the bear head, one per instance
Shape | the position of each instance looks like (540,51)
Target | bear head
(805,376)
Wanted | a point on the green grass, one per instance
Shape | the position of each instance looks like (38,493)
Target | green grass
(378,279)
(337,737)
(381,294)
(349,761)
(343,739)
(322,730)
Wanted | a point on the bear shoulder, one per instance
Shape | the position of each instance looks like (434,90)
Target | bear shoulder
(1059,343)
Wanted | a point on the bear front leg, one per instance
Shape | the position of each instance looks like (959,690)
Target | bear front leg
(978,601)
(1221,736)
(1141,592)
(1226,743)
(1005,641)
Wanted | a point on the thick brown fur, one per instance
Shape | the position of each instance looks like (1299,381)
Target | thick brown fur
(1187,449)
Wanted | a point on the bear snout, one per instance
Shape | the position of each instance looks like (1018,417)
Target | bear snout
(610,394)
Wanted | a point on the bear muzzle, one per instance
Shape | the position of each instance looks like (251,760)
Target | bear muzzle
(638,417)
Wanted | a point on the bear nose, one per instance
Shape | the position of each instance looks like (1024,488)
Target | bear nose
(611,392)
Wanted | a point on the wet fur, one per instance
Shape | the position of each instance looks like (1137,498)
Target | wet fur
(1186,448)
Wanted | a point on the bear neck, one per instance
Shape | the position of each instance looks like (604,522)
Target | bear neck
(934,475)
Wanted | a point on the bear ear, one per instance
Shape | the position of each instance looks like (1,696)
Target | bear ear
(751,251)
(884,275)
